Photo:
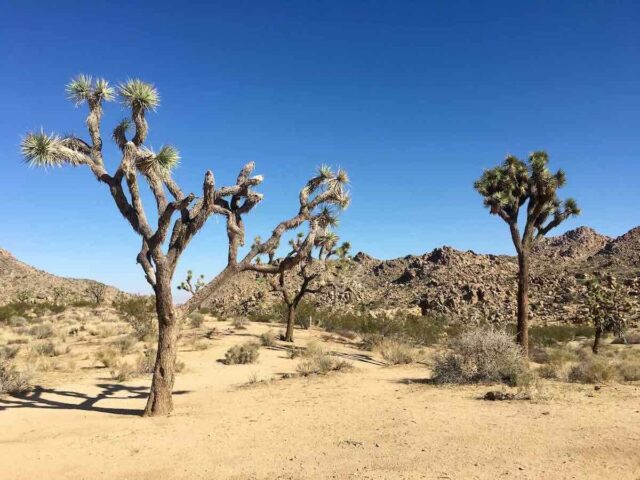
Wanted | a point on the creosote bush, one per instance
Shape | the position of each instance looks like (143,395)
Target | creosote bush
(139,312)
(242,354)
(13,381)
(196,319)
(480,355)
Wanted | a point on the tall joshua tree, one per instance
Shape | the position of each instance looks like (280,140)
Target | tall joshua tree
(506,189)
(294,284)
(160,250)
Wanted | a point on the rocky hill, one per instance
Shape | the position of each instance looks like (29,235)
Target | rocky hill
(463,285)
(19,279)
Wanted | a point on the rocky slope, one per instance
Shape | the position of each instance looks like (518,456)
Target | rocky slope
(463,285)
(18,278)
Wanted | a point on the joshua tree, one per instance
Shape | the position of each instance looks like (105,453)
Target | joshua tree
(163,245)
(293,285)
(506,189)
(59,295)
(97,292)
(189,286)
(607,305)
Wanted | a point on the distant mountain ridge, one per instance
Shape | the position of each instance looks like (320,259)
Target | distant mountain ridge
(17,277)
(463,285)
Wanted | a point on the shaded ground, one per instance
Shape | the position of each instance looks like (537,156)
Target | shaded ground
(372,423)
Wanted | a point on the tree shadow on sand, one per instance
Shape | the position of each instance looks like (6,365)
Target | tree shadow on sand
(36,399)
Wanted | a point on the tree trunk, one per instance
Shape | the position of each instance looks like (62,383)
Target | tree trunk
(522,332)
(160,402)
(291,320)
(596,340)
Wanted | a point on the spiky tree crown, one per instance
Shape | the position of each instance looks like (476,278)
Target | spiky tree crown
(138,94)
(508,187)
(84,88)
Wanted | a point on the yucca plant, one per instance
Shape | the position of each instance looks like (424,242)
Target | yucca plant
(161,250)
(508,189)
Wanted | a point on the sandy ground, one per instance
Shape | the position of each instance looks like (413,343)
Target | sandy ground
(374,422)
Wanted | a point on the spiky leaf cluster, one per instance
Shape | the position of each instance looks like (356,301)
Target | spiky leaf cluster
(84,88)
(40,149)
(138,94)
(508,187)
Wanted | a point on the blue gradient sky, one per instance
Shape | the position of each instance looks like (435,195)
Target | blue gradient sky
(413,98)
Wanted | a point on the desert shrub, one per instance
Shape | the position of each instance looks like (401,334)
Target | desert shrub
(82,303)
(480,355)
(268,339)
(42,331)
(632,339)
(321,364)
(50,349)
(146,361)
(9,352)
(10,310)
(242,354)
(593,369)
(107,356)
(265,317)
(396,352)
(18,341)
(139,312)
(550,335)
(548,371)
(13,381)
(629,369)
(426,330)
(126,344)
(18,322)
(196,319)
(240,323)
(123,371)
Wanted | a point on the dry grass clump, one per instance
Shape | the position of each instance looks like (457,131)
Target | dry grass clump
(107,356)
(42,331)
(240,323)
(268,338)
(316,361)
(480,355)
(13,381)
(126,344)
(593,369)
(396,352)
(51,349)
(242,354)
(9,352)
(196,319)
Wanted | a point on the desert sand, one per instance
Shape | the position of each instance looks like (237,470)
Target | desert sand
(373,422)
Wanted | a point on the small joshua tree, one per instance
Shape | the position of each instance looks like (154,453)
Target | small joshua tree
(97,292)
(607,306)
(506,189)
(189,286)
(293,285)
(162,245)
(59,295)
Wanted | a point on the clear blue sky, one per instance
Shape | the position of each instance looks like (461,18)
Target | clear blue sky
(413,98)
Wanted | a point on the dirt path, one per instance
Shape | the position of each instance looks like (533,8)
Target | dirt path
(372,423)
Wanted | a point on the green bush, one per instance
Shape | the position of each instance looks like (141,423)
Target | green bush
(396,352)
(550,335)
(196,319)
(242,354)
(139,312)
